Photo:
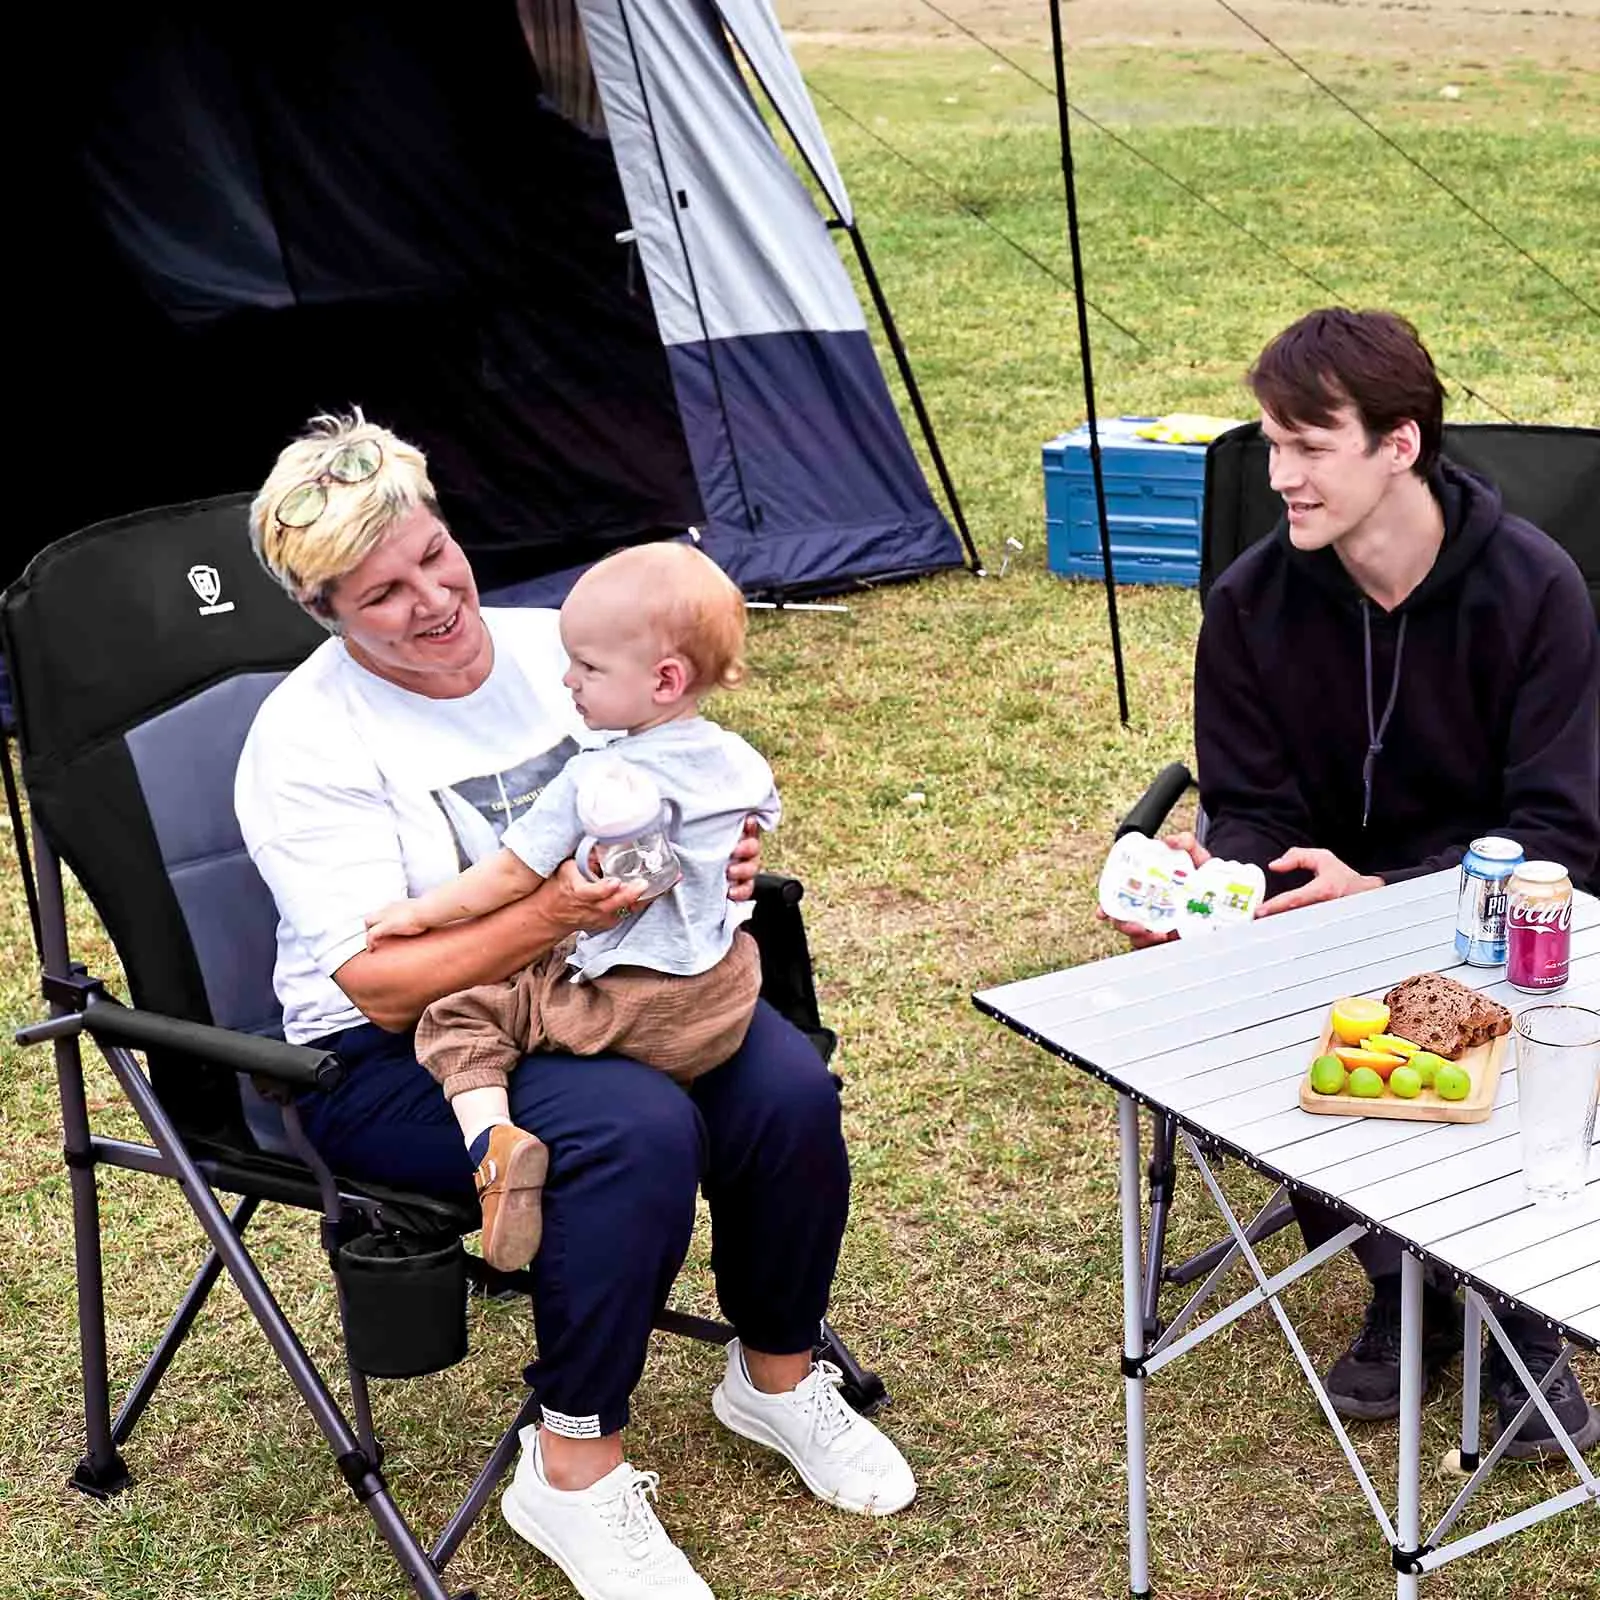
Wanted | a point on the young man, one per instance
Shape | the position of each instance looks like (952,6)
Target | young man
(1400,668)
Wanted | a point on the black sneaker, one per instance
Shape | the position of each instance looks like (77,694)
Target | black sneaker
(1364,1383)
(1534,1438)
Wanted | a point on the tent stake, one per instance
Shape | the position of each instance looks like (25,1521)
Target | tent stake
(1088,365)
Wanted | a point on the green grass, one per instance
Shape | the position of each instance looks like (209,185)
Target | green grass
(980,1272)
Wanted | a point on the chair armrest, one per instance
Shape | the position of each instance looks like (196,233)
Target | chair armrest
(777,888)
(296,1065)
(1150,810)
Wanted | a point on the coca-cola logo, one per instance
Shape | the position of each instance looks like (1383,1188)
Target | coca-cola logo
(1550,916)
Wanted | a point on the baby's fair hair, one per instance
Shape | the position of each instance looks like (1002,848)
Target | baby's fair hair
(687,603)
(357,517)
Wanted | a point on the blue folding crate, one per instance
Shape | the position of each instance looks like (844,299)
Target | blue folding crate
(1154,497)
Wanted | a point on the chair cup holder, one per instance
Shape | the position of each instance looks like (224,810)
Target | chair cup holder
(405,1303)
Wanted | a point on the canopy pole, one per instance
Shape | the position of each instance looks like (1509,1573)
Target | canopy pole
(1088,365)
(908,377)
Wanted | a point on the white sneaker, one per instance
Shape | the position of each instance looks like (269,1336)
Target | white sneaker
(842,1457)
(606,1538)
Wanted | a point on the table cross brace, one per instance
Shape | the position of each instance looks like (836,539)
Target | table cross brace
(1379,1511)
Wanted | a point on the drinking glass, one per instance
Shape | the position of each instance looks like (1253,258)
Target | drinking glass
(1558,1080)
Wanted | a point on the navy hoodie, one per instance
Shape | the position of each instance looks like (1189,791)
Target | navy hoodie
(1496,688)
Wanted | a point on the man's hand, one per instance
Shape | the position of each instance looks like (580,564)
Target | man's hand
(1331,879)
(745,862)
(396,921)
(1142,938)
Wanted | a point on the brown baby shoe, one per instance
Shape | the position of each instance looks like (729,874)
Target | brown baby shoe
(510,1182)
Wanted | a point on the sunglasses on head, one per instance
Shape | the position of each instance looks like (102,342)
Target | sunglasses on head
(350,463)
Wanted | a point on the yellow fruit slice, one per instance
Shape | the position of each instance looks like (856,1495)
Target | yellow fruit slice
(1355,1019)
(1380,1063)
(1390,1044)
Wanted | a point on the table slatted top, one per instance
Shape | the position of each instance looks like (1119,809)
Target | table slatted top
(1219,1032)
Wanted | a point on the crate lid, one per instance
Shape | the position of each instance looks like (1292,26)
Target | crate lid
(1184,429)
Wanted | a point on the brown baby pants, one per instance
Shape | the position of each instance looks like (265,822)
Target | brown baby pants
(684,1026)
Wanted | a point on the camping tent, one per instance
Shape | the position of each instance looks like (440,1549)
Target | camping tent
(553,241)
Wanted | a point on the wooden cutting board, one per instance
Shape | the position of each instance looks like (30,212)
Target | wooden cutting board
(1483,1067)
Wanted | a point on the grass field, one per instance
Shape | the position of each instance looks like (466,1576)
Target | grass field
(980,1272)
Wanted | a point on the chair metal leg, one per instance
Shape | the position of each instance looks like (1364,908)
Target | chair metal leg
(1273,1220)
(1133,1349)
(102,1472)
(484,1485)
(1161,1176)
(684,1323)
(360,1473)
(177,1329)
(863,1391)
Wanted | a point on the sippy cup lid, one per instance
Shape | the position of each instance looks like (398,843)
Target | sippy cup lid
(616,799)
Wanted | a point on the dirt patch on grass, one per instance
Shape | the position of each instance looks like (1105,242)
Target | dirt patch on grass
(1566,33)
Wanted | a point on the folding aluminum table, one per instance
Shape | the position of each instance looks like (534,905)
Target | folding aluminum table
(1217,1033)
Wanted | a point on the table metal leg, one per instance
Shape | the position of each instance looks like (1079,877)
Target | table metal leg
(1471,1368)
(1408,1498)
(1133,1348)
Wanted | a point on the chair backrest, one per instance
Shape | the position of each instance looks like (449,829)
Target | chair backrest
(139,651)
(1549,476)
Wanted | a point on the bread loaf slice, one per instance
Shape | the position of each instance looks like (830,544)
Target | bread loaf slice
(1444,1016)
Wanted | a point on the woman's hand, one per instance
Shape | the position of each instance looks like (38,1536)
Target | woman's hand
(1141,938)
(583,905)
(745,862)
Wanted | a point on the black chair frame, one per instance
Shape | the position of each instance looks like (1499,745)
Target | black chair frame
(204,1093)
(79,1005)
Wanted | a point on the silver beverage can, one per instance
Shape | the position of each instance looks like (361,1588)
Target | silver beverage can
(1481,901)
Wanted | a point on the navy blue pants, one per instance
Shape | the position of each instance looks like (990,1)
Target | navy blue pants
(628,1150)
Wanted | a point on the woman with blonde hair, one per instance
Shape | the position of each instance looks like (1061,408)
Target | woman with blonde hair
(424,706)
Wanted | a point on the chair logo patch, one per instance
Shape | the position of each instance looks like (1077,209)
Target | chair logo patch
(207,583)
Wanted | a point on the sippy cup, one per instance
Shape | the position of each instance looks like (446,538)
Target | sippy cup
(624,817)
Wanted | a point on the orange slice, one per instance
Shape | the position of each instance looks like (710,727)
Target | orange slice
(1390,1044)
(1355,1019)
(1380,1062)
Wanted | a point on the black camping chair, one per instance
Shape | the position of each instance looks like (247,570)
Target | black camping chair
(1548,475)
(139,650)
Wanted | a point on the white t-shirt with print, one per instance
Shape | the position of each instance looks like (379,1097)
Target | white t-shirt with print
(352,792)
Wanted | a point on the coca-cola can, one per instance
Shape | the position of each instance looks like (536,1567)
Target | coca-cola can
(1538,927)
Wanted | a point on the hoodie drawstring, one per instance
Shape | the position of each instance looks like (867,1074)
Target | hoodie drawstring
(1376,731)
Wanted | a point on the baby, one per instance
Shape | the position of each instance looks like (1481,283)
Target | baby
(648,631)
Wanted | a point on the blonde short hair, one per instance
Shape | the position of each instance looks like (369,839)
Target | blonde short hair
(691,606)
(308,561)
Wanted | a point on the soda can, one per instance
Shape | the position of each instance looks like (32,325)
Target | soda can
(1538,927)
(1481,901)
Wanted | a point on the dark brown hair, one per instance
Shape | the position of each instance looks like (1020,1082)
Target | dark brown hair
(1372,360)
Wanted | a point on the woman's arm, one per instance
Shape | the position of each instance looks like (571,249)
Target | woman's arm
(395,983)
(483,888)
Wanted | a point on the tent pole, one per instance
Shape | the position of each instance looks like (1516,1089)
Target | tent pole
(1088,365)
(908,377)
